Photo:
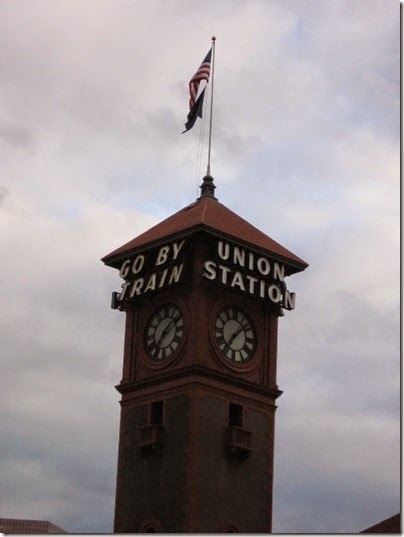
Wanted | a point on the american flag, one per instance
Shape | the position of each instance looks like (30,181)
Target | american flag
(202,74)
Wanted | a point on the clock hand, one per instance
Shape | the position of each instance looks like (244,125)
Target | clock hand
(165,331)
(236,333)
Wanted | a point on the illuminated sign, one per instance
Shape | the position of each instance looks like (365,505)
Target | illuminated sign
(144,273)
(249,272)
(227,264)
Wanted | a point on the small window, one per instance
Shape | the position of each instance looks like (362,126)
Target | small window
(235,415)
(157,413)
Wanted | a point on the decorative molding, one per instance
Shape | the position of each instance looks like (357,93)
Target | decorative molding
(202,372)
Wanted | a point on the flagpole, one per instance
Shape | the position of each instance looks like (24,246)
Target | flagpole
(211,104)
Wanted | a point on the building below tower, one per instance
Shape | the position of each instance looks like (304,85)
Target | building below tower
(28,527)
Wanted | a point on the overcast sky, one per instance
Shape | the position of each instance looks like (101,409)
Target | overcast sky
(93,97)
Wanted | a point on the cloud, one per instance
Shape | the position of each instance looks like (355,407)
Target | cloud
(305,147)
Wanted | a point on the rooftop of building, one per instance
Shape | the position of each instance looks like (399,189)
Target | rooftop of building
(208,214)
(28,527)
(389,525)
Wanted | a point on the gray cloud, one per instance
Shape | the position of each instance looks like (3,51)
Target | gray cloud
(305,147)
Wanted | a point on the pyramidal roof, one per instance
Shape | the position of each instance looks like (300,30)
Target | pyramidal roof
(209,215)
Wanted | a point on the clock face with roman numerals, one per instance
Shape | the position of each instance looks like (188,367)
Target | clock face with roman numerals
(235,334)
(164,332)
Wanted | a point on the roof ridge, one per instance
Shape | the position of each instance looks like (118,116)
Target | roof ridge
(208,212)
(204,210)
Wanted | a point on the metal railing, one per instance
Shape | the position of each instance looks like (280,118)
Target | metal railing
(238,441)
(150,437)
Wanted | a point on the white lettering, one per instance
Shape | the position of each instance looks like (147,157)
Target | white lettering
(163,277)
(263,266)
(137,264)
(258,275)
(238,256)
(223,249)
(124,269)
(210,268)
(124,288)
(274,293)
(162,255)
(252,281)
(225,271)
(175,274)
(238,281)
(177,248)
(290,300)
(136,287)
(279,272)
(151,284)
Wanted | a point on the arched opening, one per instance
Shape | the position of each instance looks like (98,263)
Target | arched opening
(151,527)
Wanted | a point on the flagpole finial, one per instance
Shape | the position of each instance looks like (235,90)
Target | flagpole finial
(208,187)
(213,38)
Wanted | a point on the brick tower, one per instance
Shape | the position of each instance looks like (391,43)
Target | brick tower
(202,292)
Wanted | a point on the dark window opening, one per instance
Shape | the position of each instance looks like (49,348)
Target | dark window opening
(157,413)
(150,529)
(235,415)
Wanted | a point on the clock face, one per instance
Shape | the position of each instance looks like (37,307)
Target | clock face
(235,334)
(164,332)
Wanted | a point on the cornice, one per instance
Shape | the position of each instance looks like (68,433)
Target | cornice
(196,374)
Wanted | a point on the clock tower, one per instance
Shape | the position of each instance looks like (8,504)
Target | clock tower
(202,292)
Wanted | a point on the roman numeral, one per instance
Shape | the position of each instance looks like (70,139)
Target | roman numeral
(221,340)
(177,339)
(231,354)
